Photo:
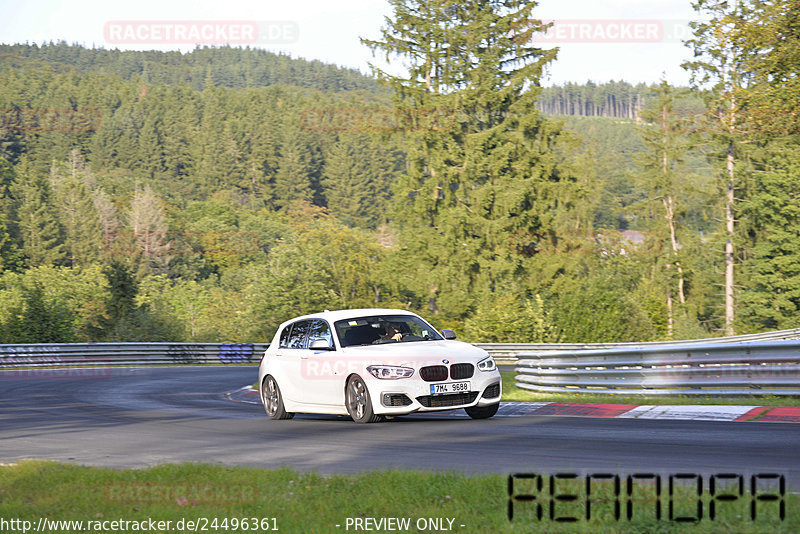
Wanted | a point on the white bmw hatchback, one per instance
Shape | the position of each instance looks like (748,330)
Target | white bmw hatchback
(373,363)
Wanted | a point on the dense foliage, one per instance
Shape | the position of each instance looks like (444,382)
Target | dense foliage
(221,67)
(210,195)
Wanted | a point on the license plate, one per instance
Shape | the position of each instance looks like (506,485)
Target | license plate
(449,387)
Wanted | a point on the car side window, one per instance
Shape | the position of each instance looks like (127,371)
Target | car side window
(297,339)
(320,330)
(284,342)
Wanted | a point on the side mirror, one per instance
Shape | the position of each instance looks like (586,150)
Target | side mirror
(448,334)
(320,344)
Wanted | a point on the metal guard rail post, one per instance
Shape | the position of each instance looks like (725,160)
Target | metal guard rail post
(750,368)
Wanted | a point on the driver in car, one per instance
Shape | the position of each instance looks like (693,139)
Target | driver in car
(392,332)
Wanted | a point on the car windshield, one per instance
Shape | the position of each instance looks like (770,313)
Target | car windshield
(379,329)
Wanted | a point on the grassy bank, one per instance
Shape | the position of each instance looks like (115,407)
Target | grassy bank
(309,502)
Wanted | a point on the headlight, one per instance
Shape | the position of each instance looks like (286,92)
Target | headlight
(487,364)
(390,372)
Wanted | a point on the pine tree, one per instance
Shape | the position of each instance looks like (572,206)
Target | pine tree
(481,179)
(298,171)
(79,219)
(663,177)
(772,298)
(720,67)
(5,241)
(10,255)
(262,134)
(39,228)
(151,155)
(769,212)
(350,191)
(208,150)
(181,113)
(123,289)
(770,104)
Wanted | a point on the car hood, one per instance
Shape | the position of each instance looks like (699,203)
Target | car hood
(418,353)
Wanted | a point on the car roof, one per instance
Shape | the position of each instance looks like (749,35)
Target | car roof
(338,315)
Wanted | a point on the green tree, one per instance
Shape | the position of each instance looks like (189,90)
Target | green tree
(510,319)
(212,228)
(10,255)
(769,105)
(39,228)
(151,146)
(599,303)
(481,180)
(123,288)
(359,176)
(208,147)
(38,321)
(772,296)
(347,183)
(298,171)
(83,230)
(720,68)
(184,301)
(81,292)
(131,318)
(663,177)
(347,260)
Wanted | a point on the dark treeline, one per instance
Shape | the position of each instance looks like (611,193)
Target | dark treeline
(270,145)
(204,66)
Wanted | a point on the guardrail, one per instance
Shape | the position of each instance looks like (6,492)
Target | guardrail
(105,354)
(508,352)
(749,368)
(730,366)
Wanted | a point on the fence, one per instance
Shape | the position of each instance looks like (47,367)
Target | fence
(96,354)
(744,368)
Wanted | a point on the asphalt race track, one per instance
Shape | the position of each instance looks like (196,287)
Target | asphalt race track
(139,417)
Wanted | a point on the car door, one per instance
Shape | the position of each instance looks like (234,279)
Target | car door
(323,369)
(288,357)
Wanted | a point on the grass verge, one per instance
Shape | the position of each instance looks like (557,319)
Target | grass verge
(310,502)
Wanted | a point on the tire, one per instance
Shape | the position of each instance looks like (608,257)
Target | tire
(482,412)
(358,403)
(272,399)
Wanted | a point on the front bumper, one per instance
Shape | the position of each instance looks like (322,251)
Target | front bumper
(400,397)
